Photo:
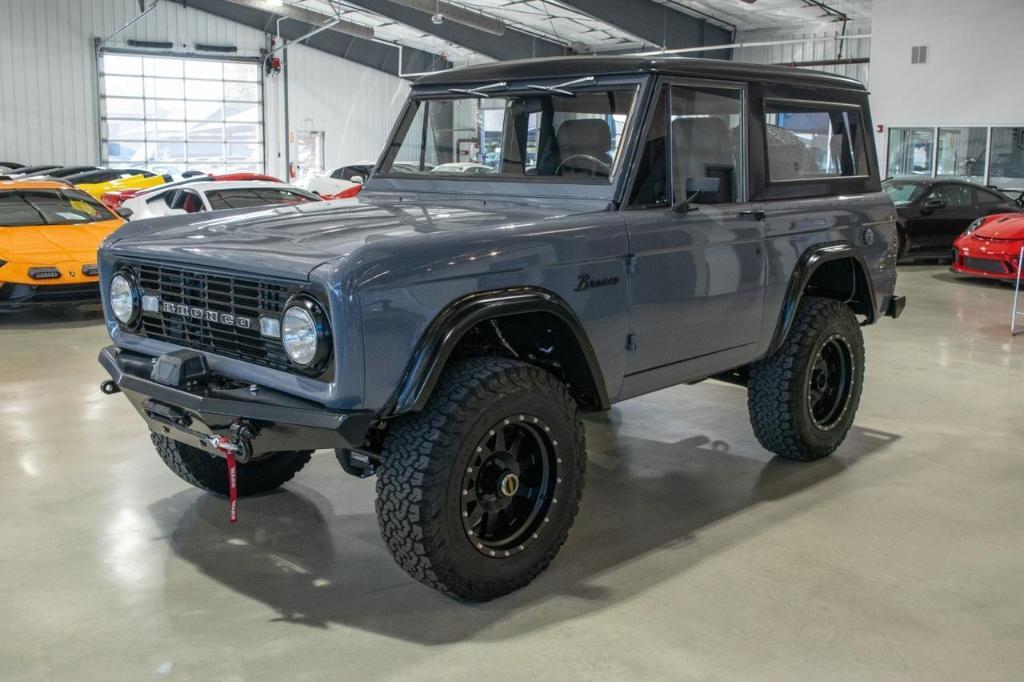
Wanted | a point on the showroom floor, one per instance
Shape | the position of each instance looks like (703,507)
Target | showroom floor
(696,555)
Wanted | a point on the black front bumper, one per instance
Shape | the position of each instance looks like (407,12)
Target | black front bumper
(211,407)
(19,296)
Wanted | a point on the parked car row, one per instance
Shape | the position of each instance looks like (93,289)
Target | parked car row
(980,229)
(53,219)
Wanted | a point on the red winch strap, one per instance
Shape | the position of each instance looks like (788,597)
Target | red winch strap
(232,486)
(228,449)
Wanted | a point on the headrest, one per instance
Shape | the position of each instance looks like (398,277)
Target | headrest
(584,136)
(702,133)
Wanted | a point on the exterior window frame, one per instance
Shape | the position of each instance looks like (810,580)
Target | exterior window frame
(663,87)
(825,107)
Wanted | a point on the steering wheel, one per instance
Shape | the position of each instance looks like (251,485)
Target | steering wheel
(599,165)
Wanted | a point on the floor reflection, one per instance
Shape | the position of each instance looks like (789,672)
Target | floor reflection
(314,566)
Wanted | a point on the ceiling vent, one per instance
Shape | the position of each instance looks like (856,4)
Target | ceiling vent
(919,54)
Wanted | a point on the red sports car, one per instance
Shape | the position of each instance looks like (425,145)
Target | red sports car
(990,247)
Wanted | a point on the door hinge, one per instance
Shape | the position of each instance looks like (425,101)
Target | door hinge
(630,264)
(631,342)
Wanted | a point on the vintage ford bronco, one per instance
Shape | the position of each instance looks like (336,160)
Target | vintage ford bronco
(539,239)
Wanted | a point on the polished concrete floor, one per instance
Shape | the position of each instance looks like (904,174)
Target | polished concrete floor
(696,555)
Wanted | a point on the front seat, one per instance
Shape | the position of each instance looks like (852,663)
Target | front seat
(589,137)
(703,148)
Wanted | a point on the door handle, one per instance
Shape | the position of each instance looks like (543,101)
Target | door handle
(756,214)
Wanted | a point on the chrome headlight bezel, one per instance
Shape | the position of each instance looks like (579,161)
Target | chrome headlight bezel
(312,316)
(132,292)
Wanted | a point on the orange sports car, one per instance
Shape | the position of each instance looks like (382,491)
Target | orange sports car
(49,234)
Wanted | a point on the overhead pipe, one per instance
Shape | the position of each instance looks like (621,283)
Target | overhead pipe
(309,16)
(130,23)
(759,43)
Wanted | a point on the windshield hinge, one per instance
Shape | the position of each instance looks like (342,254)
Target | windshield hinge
(630,342)
(630,264)
(561,87)
(479,90)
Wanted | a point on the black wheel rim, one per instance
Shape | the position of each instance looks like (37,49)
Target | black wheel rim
(830,382)
(510,485)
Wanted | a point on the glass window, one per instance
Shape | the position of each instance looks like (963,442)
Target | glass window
(957,196)
(651,185)
(811,141)
(532,134)
(1007,154)
(49,207)
(986,198)
(705,130)
(910,151)
(904,193)
(173,114)
(961,153)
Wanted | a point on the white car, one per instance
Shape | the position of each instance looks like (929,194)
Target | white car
(339,179)
(196,197)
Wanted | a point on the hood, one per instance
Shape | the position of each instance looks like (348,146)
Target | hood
(52,244)
(1009,226)
(291,241)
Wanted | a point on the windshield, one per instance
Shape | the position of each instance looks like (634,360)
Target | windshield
(256,196)
(903,193)
(19,208)
(575,136)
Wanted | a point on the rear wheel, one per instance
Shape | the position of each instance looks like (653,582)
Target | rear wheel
(209,472)
(802,399)
(478,491)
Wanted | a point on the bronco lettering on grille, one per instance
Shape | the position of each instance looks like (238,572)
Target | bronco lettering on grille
(208,315)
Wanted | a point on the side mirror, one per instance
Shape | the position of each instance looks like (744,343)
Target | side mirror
(934,205)
(125,213)
(358,179)
(695,189)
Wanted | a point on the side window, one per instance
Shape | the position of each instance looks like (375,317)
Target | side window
(814,141)
(989,198)
(338,173)
(705,129)
(958,196)
(651,185)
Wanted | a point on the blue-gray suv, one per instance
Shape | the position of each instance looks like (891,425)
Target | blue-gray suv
(538,239)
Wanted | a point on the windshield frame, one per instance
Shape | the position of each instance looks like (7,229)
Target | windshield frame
(515,185)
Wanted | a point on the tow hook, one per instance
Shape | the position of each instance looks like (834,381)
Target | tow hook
(237,448)
(108,387)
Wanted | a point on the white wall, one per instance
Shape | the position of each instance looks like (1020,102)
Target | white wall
(354,105)
(810,50)
(972,76)
(49,101)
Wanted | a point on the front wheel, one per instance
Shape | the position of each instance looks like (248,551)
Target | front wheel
(478,491)
(802,399)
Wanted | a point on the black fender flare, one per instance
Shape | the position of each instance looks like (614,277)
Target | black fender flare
(810,260)
(458,317)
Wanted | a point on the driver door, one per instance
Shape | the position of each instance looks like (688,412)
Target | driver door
(698,286)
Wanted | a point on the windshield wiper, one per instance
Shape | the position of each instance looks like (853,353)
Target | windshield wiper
(480,90)
(560,89)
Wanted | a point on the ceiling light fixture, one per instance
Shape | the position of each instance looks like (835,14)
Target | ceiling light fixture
(442,12)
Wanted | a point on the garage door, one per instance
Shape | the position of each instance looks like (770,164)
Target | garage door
(171,114)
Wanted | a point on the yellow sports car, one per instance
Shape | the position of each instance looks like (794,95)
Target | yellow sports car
(141,180)
(49,234)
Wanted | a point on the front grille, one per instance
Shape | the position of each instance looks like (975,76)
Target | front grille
(222,294)
(985,265)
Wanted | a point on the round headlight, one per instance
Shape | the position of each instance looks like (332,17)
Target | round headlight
(304,333)
(123,299)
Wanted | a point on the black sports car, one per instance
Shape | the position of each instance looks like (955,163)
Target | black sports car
(932,212)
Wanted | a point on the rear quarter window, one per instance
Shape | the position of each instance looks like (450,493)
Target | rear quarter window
(806,141)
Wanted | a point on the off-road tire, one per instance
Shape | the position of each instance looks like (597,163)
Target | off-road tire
(779,385)
(209,472)
(419,489)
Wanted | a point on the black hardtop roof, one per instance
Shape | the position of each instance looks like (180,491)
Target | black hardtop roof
(570,67)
